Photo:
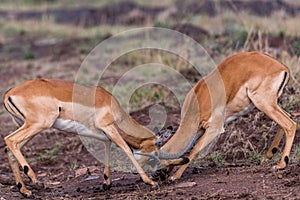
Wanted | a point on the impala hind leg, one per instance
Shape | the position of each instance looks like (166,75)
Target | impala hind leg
(106,174)
(14,143)
(271,109)
(114,135)
(273,149)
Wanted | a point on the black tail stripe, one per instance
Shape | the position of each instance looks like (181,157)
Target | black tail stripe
(282,83)
(12,103)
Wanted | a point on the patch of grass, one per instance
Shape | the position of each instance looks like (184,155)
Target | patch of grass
(217,157)
(298,150)
(146,95)
(55,4)
(281,33)
(143,96)
(48,27)
(255,157)
(50,154)
(146,196)
(296,155)
(27,54)
(154,94)
(9,48)
(161,24)
(296,47)
(239,36)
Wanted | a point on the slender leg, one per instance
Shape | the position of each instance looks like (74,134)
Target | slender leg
(274,146)
(271,109)
(215,128)
(111,130)
(275,143)
(14,142)
(107,180)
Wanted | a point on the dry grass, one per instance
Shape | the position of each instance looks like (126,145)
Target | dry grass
(229,20)
(238,144)
(24,5)
(47,26)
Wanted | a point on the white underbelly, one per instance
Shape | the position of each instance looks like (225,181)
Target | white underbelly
(76,127)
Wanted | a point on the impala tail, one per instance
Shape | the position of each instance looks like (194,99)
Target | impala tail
(14,111)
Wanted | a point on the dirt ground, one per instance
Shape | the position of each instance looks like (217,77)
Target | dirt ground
(69,171)
(238,179)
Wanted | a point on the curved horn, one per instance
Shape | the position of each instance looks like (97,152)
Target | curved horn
(168,156)
(151,155)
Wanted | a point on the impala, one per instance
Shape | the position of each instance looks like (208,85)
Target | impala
(240,83)
(93,112)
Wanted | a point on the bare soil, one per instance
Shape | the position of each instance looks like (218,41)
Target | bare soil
(75,174)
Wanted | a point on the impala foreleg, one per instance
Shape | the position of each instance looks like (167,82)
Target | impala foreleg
(14,143)
(106,174)
(210,134)
(113,134)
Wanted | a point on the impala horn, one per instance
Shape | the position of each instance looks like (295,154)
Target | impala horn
(151,155)
(169,156)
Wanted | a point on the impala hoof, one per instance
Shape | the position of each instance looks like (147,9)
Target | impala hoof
(106,187)
(26,193)
(281,164)
(23,190)
(274,168)
(172,178)
(154,185)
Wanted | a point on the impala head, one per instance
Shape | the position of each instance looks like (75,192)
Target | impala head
(156,158)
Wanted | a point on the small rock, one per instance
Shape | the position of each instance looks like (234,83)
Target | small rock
(186,184)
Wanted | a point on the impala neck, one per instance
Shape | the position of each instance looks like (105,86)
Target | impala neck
(188,128)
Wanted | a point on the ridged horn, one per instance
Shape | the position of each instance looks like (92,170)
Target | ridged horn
(151,155)
(169,156)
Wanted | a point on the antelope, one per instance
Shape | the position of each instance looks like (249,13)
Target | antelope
(238,84)
(93,112)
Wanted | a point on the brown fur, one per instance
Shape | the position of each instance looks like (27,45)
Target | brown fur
(39,103)
(237,82)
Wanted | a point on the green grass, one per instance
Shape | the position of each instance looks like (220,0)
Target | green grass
(255,157)
(297,152)
(51,154)
(48,155)
(216,157)
(27,54)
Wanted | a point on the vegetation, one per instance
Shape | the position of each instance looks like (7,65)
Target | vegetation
(45,47)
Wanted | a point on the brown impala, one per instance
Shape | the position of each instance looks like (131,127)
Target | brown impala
(39,104)
(240,83)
